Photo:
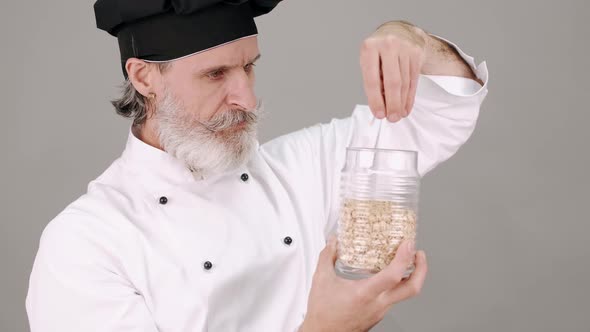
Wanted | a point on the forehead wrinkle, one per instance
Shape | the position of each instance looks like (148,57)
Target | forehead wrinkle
(229,65)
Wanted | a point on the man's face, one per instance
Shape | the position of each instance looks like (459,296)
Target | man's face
(216,80)
(206,115)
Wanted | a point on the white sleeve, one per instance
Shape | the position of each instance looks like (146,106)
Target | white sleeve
(77,284)
(444,116)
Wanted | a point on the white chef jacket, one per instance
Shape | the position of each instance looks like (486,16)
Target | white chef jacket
(151,247)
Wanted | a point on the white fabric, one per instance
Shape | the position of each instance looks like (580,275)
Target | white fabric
(118,260)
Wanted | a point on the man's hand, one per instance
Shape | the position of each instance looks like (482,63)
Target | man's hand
(337,304)
(391,60)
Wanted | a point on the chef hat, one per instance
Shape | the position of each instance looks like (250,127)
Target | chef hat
(165,30)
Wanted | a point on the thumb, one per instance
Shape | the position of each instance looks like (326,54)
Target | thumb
(328,255)
(392,274)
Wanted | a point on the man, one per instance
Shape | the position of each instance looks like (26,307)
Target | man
(198,228)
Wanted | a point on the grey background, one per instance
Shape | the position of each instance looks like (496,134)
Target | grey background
(504,223)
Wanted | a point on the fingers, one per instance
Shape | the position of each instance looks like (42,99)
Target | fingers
(328,257)
(404,67)
(411,286)
(370,68)
(390,276)
(392,84)
(415,65)
(391,70)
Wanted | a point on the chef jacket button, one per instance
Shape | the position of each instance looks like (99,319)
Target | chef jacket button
(244,177)
(208,265)
(288,240)
(163,200)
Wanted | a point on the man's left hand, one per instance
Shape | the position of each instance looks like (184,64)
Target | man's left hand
(391,60)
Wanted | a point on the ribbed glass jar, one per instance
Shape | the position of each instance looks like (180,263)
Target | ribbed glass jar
(379,209)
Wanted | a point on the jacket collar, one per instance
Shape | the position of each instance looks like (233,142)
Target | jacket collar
(151,161)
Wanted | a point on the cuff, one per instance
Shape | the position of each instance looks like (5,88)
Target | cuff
(461,86)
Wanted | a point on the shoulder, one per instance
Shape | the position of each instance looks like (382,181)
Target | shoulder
(311,136)
(101,219)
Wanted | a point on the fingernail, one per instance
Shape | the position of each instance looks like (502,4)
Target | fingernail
(411,246)
(380,114)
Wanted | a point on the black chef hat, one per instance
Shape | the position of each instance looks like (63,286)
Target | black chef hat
(164,30)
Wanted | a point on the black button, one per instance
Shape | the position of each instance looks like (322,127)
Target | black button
(288,240)
(207,265)
(163,200)
(245,177)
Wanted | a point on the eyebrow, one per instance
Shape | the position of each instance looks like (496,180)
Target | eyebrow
(224,67)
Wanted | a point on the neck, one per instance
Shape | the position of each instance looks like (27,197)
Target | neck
(147,133)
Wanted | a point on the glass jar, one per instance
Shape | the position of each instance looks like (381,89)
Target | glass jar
(379,209)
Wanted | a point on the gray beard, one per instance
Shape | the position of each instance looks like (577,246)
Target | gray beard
(210,147)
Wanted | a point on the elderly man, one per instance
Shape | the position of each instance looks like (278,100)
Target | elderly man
(198,228)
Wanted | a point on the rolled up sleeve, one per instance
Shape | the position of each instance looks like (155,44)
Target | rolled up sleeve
(444,116)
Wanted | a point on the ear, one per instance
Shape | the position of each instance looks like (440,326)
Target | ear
(142,75)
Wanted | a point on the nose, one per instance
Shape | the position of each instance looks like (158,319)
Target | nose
(241,92)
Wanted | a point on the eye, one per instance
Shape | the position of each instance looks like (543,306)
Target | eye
(215,75)
(248,68)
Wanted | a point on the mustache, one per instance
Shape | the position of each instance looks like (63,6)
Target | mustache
(233,117)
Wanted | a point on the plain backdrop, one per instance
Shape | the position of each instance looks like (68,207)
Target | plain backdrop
(505,222)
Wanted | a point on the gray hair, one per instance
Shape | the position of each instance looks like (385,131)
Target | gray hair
(133,104)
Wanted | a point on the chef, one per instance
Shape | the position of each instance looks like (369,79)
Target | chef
(197,227)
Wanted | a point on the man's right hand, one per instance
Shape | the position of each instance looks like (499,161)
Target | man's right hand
(338,304)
